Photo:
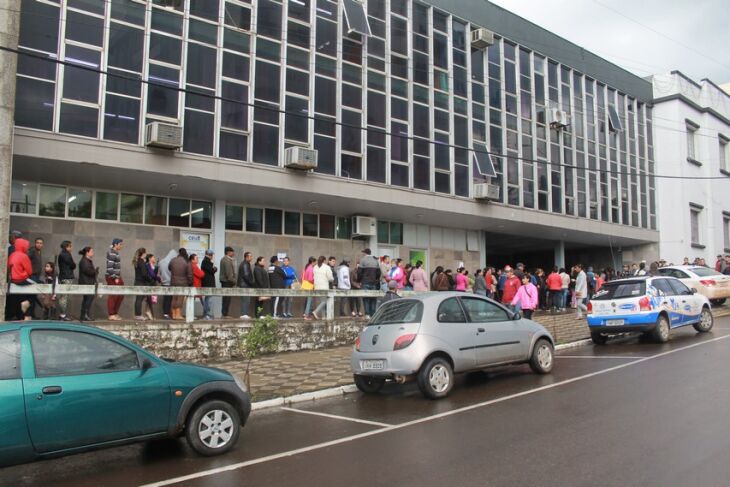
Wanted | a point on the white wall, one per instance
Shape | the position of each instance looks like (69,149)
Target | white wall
(675,195)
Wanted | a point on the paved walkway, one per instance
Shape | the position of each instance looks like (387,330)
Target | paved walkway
(290,373)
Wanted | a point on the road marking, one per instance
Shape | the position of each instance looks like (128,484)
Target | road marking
(599,357)
(334,416)
(348,439)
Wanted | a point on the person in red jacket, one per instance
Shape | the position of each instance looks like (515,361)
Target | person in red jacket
(555,288)
(511,286)
(198,276)
(20,269)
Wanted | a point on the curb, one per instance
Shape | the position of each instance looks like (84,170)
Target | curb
(350,388)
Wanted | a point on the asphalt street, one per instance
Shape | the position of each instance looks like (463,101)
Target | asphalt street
(628,413)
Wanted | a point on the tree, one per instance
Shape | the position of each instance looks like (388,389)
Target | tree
(262,338)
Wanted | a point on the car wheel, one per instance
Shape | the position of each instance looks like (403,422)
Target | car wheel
(599,338)
(541,361)
(213,428)
(706,321)
(436,378)
(661,331)
(717,302)
(368,384)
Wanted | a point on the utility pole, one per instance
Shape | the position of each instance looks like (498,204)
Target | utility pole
(9,32)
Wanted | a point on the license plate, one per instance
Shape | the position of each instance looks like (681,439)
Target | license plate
(614,322)
(372,364)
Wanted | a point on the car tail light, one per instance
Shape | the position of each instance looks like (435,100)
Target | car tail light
(590,307)
(357,344)
(708,282)
(403,341)
(644,304)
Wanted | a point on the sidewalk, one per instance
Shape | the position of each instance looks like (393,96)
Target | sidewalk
(290,373)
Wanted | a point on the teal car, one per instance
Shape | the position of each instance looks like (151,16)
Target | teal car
(66,388)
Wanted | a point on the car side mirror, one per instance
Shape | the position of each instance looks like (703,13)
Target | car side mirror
(516,317)
(693,291)
(146,365)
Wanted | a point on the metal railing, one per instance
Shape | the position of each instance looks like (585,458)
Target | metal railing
(193,292)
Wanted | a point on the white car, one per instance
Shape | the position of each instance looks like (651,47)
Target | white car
(651,305)
(708,282)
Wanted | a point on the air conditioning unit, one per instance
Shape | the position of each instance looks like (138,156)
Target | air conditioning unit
(482,38)
(558,118)
(302,158)
(165,135)
(363,226)
(486,191)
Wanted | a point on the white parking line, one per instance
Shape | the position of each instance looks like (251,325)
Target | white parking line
(599,356)
(348,439)
(334,416)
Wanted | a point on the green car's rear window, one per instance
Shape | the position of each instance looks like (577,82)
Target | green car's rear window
(397,312)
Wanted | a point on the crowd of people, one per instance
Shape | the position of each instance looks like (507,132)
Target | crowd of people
(555,290)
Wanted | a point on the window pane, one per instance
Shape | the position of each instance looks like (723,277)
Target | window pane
(326,226)
(297,82)
(325,94)
(155,210)
(126,47)
(106,206)
(39,26)
(292,223)
(165,48)
(87,5)
(237,41)
(207,9)
(52,201)
(273,222)
(198,132)
(34,100)
(234,218)
(396,233)
(326,37)
(234,115)
(310,225)
(297,123)
(81,84)
(166,21)
(299,10)
(38,67)
(79,203)
(481,311)
(203,32)
(326,154)
(269,19)
(162,100)
(383,232)
(254,220)
(128,11)
(79,120)
(23,197)
(344,228)
(238,16)
(131,208)
(200,214)
(121,119)
(179,215)
(233,146)
(351,134)
(267,82)
(450,312)
(201,65)
(351,167)
(376,164)
(123,83)
(235,66)
(84,28)
(266,144)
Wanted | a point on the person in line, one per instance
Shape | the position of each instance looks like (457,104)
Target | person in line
(228,278)
(408,269)
(356,303)
(153,277)
(461,283)
(501,279)
(48,301)
(114,278)
(181,275)
(332,262)
(209,269)
(308,285)
(20,270)
(581,291)
(391,293)
(322,279)
(87,276)
(555,290)
(165,278)
(452,281)
(440,280)
(566,288)
(480,284)
(385,269)
(141,278)
(539,279)
(261,279)
(418,278)
(491,282)
(526,298)
(198,276)
(369,277)
(277,280)
(66,268)
(344,284)
(35,254)
(246,281)
(511,286)
(291,278)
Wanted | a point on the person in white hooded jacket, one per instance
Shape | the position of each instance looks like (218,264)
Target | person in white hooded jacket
(343,282)
(165,277)
(322,279)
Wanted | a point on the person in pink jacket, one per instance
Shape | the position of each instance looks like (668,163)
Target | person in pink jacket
(526,297)
(398,274)
(419,279)
(461,280)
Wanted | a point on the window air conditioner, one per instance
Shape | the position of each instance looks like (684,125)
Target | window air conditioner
(302,158)
(165,135)
(486,191)
(482,38)
(558,118)
(363,226)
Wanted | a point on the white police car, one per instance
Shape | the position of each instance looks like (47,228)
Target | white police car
(651,305)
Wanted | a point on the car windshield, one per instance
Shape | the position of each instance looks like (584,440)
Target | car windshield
(398,312)
(705,272)
(618,290)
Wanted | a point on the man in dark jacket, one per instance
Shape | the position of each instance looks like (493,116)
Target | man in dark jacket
(36,261)
(246,281)
(277,280)
(208,281)
(181,275)
(261,279)
(227,277)
(66,267)
(368,274)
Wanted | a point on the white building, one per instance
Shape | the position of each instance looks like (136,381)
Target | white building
(692,129)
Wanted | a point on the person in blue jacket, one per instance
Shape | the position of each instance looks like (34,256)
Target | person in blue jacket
(291,278)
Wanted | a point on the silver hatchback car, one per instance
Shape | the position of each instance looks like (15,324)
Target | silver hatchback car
(431,336)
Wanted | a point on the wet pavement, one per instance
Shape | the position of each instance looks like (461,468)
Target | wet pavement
(629,413)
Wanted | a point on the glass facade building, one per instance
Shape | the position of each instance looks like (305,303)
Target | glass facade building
(404,106)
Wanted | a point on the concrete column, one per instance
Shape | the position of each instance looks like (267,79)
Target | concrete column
(560,254)
(9,31)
